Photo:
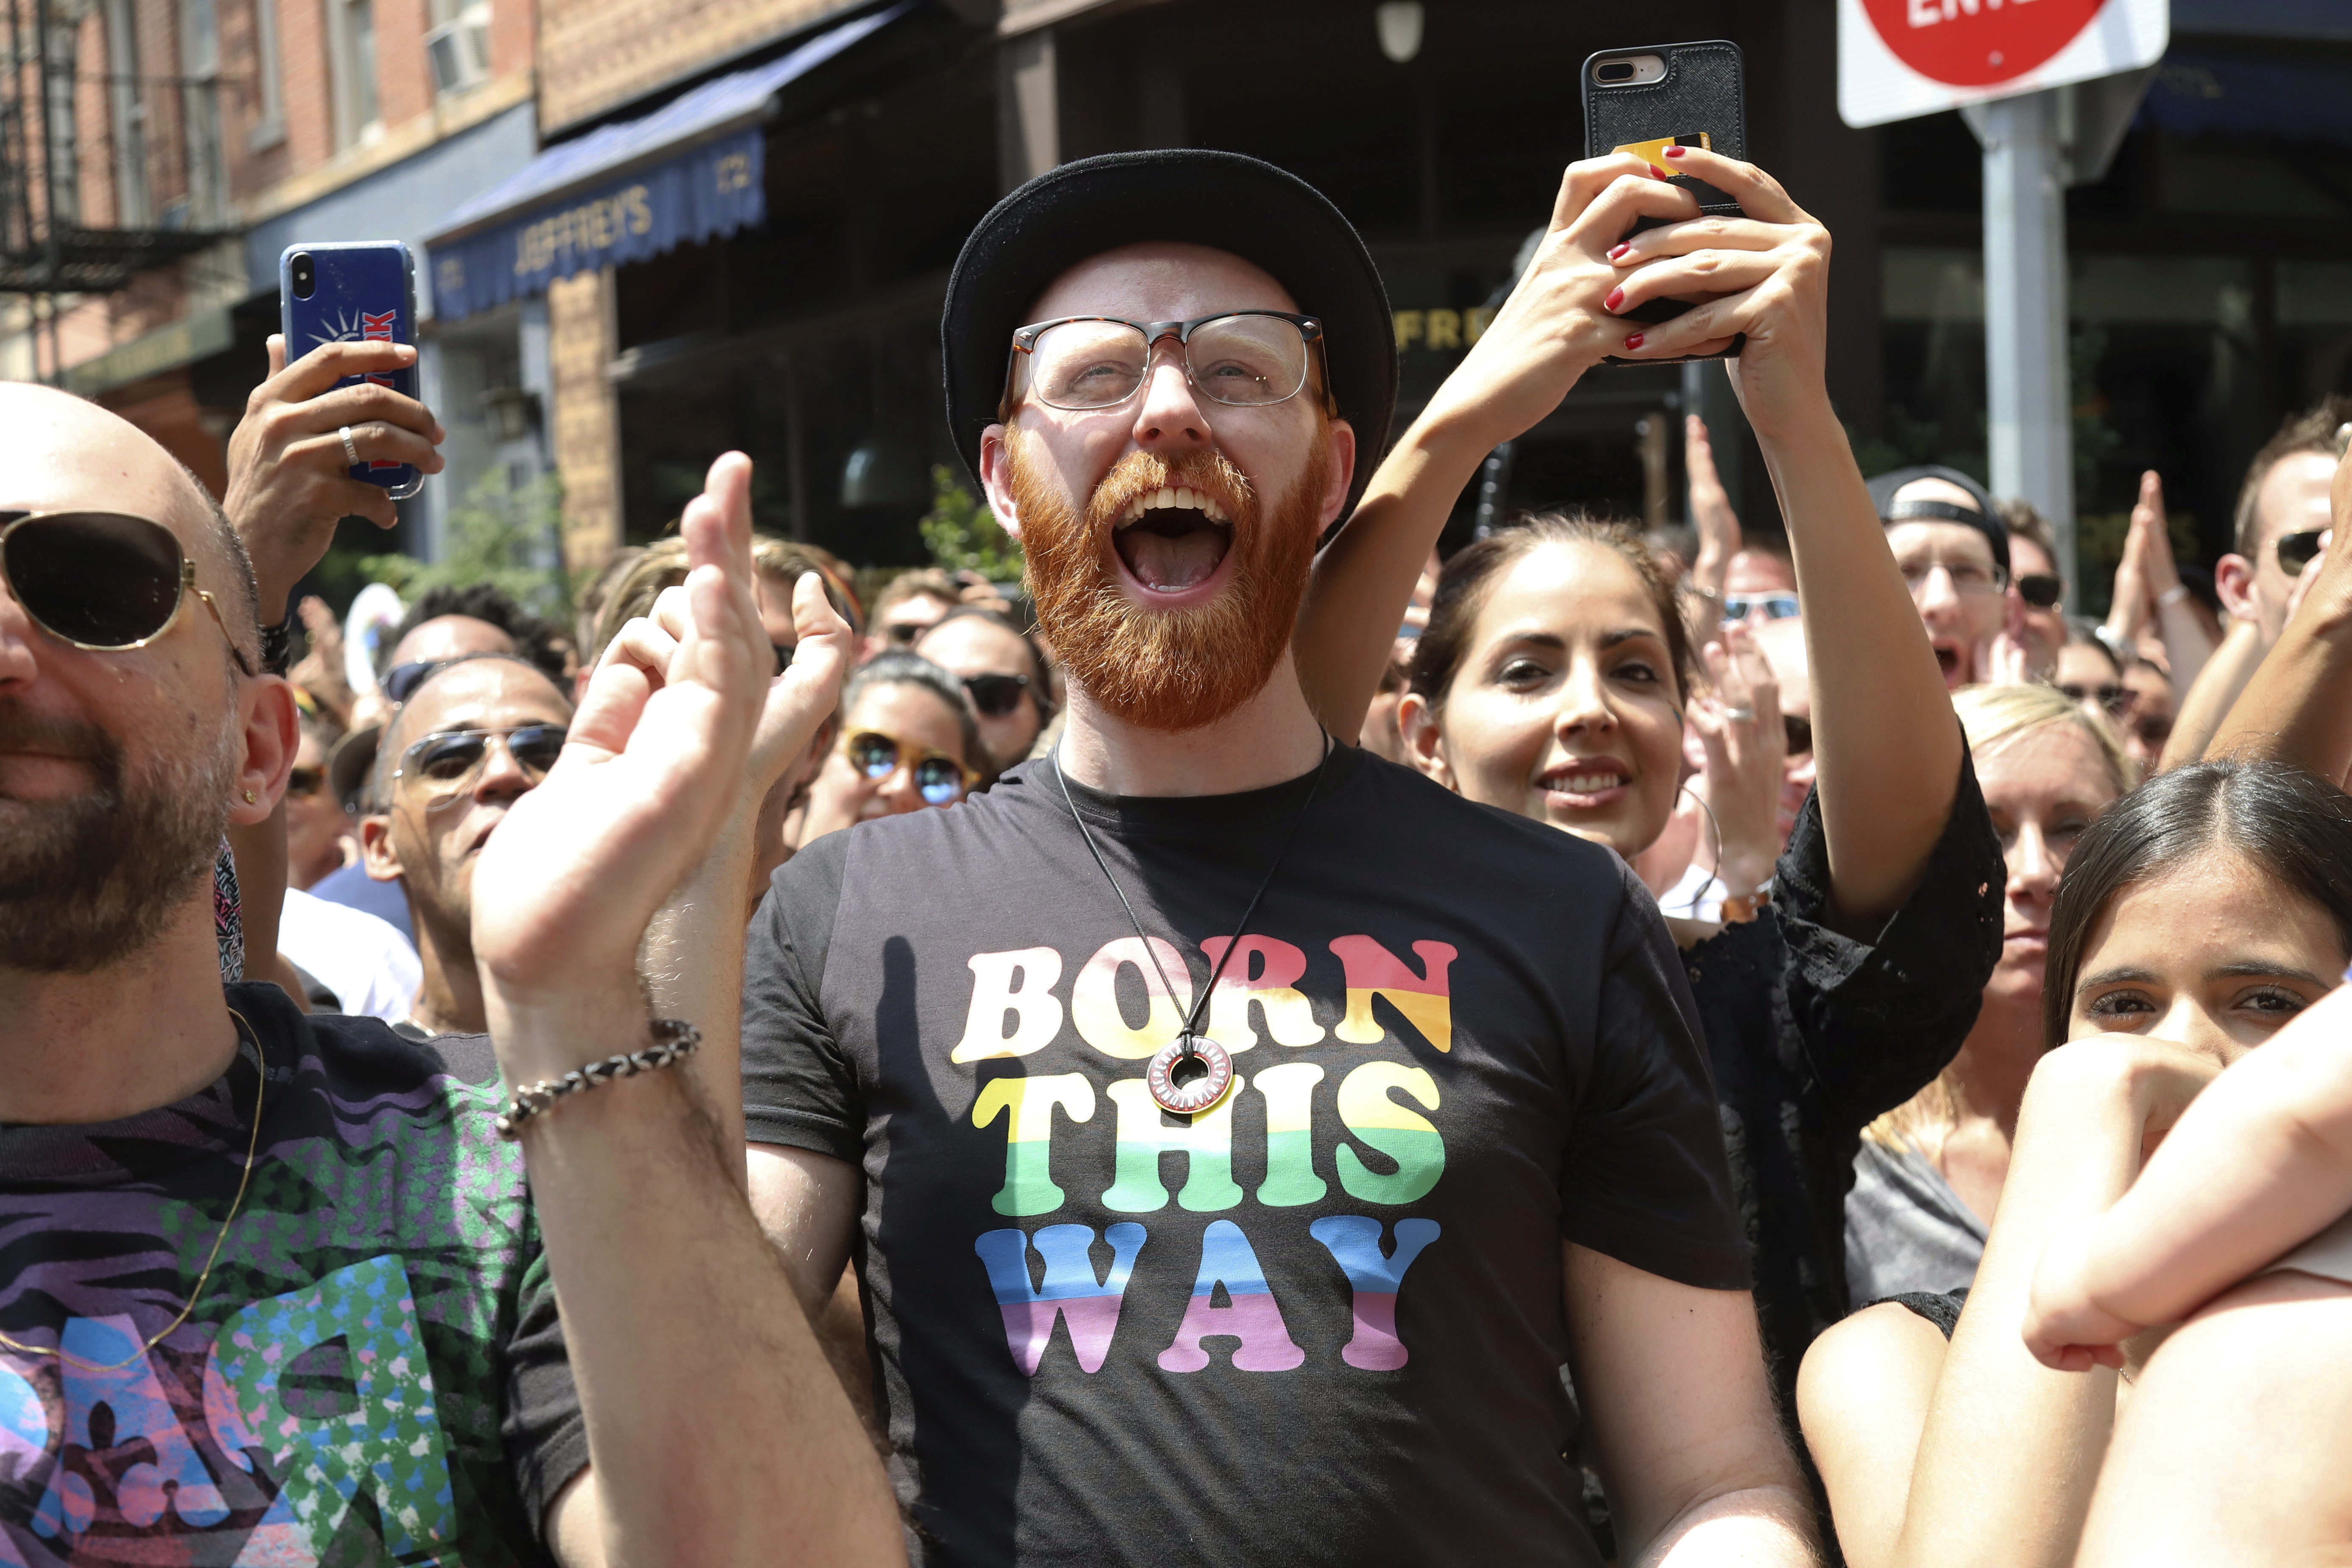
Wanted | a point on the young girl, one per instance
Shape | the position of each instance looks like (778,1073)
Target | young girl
(2197,916)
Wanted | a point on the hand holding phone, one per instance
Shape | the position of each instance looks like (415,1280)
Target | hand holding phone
(1761,287)
(1657,102)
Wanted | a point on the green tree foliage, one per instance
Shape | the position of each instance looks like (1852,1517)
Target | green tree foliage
(962,535)
(500,533)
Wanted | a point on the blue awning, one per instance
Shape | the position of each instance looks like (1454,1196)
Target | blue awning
(2294,99)
(689,169)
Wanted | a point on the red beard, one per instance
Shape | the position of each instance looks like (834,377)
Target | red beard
(1168,669)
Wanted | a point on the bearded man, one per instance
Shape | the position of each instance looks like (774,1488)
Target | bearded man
(282,1288)
(1438,1119)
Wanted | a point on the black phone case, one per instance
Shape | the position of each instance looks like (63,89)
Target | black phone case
(1704,90)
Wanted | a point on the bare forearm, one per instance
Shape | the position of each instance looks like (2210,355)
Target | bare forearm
(1886,746)
(2187,646)
(1363,580)
(692,964)
(678,1321)
(2294,709)
(2260,1163)
(2212,694)
(2011,1449)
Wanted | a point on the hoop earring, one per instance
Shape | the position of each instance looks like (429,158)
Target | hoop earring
(1715,867)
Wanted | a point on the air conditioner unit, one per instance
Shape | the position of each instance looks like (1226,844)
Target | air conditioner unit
(460,50)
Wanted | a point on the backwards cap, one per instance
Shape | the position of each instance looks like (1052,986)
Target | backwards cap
(1267,216)
(1984,517)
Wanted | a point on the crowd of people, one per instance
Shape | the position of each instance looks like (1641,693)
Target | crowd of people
(1268,1044)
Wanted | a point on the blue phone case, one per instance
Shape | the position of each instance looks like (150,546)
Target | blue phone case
(366,290)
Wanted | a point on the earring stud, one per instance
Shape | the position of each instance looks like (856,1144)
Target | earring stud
(251,797)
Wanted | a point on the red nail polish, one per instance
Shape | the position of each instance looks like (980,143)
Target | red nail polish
(1616,298)
(1676,152)
(1618,251)
(1634,341)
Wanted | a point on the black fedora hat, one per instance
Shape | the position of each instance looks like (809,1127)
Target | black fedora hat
(1269,217)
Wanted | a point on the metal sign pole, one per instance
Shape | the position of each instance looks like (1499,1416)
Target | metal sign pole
(2030,424)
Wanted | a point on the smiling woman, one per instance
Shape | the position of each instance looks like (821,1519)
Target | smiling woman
(1552,681)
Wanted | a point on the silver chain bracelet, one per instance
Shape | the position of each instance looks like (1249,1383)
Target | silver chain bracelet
(675,1040)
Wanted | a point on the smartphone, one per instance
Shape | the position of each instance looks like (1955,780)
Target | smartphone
(348,293)
(1644,98)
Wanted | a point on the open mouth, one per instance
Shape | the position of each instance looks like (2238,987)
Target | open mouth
(1172,539)
(1947,659)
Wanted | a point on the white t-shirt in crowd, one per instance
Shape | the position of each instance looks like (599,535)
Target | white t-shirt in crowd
(366,961)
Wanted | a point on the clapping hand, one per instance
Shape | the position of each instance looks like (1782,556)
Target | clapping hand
(657,758)
(1745,745)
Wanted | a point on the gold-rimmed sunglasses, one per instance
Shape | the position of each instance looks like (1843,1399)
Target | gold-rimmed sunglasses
(104,582)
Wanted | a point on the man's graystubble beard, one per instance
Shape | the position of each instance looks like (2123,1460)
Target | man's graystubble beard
(92,879)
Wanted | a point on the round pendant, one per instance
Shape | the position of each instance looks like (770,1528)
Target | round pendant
(1196,1095)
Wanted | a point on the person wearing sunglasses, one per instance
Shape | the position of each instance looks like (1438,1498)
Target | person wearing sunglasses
(2281,513)
(2036,591)
(1004,676)
(205,1187)
(907,739)
(2089,673)
(477,734)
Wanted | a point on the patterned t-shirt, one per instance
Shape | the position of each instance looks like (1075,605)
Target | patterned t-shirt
(375,1373)
(1320,1322)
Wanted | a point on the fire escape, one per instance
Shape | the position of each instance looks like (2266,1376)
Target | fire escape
(103,173)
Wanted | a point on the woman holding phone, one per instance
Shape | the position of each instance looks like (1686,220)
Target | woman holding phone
(1554,681)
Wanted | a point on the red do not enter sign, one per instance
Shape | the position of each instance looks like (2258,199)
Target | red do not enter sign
(1977,43)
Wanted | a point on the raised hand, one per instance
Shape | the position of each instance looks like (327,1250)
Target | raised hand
(1710,509)
(1556,324)
(798,701)
(1745,745)
(566,886)
(288,476)
(1765,275)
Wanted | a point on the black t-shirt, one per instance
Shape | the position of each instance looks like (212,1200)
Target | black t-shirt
(1812,1033)
(1318,1324)
(375,1371)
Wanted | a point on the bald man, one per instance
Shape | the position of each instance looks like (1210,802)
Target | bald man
(288,1258)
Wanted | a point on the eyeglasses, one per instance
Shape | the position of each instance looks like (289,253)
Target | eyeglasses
(996,695)
(2113,696)
(939,778)
(1970,577)
(2296,550)
(446,766)
(305,782)
(1247,359)
(1763,606)
(2040,589)
(102,580)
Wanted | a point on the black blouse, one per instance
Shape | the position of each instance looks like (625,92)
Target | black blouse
(1812,1034)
